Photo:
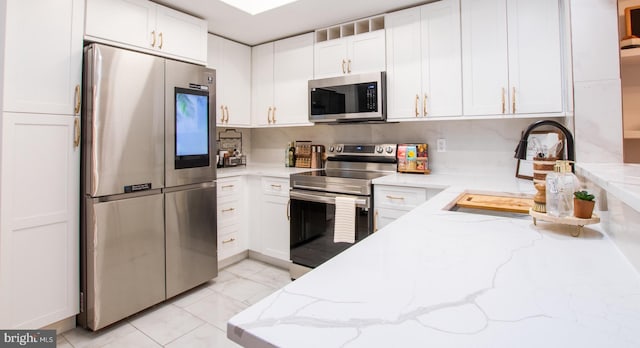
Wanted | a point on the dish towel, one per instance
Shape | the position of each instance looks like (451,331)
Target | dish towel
(345,220)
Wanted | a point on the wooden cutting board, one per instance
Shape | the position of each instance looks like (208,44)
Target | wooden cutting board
(498,203)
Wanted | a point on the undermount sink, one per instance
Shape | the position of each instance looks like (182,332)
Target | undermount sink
(501,205)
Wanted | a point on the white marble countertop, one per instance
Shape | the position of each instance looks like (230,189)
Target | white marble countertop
(441,278)
(273,170)
(620,179)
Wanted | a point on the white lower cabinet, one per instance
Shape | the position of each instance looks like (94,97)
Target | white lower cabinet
(232,213)
(39,207)
(269,233)
(391,202)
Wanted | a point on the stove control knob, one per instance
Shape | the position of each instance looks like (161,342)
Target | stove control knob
(389,149)
(339,149)
(331,148)
(379,149)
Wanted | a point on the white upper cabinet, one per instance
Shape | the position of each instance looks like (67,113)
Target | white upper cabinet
(350,48)
(535,59)
(42,56)
(181,35)
(232,62)
(511,57)
(424,76)
(292,70)
(350,55)
(262,84)
(281,71)
(146,26)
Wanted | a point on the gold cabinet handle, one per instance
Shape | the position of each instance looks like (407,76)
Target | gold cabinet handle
(161,41)
(395,198)
(153,38)
(76,109)
(227,186)
(424,105)
(417,101)
(228,210)
(76,132)
(289,210)
(269,115)
(513,100)
(375,221)
(230,240)
(503,101)
(222,113)
(273,118)
(226,112)
(349,66)
(343,69)
(276,186)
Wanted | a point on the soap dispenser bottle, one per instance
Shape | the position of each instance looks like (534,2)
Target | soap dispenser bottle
(561,184)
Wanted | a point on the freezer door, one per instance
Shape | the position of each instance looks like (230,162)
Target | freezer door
(123,121)
(191,238)
(196,125)
(124,258)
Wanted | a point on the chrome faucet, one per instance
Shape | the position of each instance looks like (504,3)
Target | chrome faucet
(521,150)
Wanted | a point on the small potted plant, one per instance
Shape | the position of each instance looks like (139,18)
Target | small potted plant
(583,203)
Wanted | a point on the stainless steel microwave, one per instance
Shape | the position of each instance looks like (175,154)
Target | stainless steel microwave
(348,98)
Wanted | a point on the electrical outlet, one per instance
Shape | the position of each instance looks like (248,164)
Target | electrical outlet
(441,145)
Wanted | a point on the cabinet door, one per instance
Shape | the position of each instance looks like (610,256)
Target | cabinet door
(383,217)
(136,22)
(39,253)
(236,69)
(43,56)
(441,59)
(262,84)
(403,64)
(181,35)
(293,68)
(330,58)
(366,52)
(275,225)
(484,57)
(535,62)
(215,61)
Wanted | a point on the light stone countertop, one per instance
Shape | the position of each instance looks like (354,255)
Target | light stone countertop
(619,179)
(259,169)
(441,278)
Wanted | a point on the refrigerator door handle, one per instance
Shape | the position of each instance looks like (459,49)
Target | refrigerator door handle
(189,187)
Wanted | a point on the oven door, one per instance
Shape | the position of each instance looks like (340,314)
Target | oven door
(312,226)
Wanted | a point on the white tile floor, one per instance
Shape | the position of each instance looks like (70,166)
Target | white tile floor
(197,318)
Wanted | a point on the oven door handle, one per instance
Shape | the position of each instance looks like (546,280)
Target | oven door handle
(324,197)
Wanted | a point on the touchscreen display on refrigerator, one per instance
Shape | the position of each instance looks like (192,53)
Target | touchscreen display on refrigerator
(192,128)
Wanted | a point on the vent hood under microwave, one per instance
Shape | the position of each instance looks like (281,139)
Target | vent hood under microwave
(352,98)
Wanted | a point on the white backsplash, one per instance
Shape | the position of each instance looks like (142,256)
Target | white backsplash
(474,146)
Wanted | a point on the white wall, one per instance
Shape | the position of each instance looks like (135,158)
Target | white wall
(597,86)
(477,146)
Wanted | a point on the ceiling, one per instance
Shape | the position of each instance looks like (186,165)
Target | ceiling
(296,18)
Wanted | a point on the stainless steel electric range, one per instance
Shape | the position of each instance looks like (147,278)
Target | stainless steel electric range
(349,172)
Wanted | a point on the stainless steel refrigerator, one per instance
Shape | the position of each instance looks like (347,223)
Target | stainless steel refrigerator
(148,220)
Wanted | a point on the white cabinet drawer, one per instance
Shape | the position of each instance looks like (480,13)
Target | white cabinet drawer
(405,198)
(229,242)
(228,212)
(228,186)
(275,186)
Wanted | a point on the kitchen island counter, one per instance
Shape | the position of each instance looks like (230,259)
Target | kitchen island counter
(442,278)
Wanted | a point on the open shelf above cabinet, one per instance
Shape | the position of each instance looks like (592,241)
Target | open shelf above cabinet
(361,26)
